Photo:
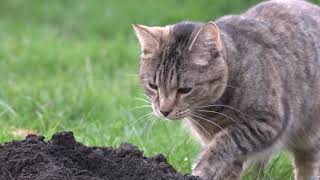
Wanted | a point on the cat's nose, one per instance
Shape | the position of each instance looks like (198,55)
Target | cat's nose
(165,113)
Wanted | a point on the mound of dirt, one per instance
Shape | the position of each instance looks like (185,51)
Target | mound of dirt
(63,157)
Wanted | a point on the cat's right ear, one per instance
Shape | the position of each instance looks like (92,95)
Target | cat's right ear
(208,36)
(149,37)
(206,39)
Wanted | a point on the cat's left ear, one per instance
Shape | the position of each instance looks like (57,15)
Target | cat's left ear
(149,37)
(207,39)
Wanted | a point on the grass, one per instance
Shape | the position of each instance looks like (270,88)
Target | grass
(72,65)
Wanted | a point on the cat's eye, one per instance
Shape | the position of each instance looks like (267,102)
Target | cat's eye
(153,86)
(184,90)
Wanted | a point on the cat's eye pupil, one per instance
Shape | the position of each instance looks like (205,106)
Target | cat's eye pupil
(184,90)
(153,86)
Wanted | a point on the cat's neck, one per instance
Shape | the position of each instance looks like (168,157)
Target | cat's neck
(229,54)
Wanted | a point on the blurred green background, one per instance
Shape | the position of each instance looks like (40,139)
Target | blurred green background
(72,65)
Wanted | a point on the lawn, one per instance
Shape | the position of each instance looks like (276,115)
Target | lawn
(70,65)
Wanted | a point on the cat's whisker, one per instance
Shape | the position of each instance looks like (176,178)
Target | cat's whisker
(233,108)
(148,114)
(227,85)
(222,114)
(146,127)
(144,117)
(207,120)
(184,113)
(138,122)
(150,125)
(144,100)
(146,96)
(213,123)
(194,121)
(154,119)
(139,107)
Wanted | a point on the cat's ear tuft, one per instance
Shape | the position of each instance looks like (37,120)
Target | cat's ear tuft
(206,38)
(149,37)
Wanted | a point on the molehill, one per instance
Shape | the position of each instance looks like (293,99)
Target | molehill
(64,158)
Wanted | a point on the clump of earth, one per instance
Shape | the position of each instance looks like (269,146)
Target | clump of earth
(63,158)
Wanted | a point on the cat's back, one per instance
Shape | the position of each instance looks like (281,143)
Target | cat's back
(277,16)
(278,41)
(289,27)
(284,10)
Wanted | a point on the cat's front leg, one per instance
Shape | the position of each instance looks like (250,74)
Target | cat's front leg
(226,170)
(223,157)
(210,167)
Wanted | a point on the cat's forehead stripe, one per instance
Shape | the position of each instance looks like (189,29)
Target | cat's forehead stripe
(172,50)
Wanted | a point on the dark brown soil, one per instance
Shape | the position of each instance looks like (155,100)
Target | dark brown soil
(64,158)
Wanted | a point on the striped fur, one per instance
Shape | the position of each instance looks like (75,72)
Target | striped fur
(255,85)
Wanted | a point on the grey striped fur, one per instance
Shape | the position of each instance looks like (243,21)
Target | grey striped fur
(258,94)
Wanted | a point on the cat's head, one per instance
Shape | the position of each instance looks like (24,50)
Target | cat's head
(181,67)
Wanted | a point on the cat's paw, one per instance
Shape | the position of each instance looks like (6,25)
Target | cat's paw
(203,175)
(217,171)
(204,171)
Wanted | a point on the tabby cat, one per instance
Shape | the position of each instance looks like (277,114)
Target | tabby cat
(247,85)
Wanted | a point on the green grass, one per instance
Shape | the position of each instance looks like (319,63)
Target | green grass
(72,65)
